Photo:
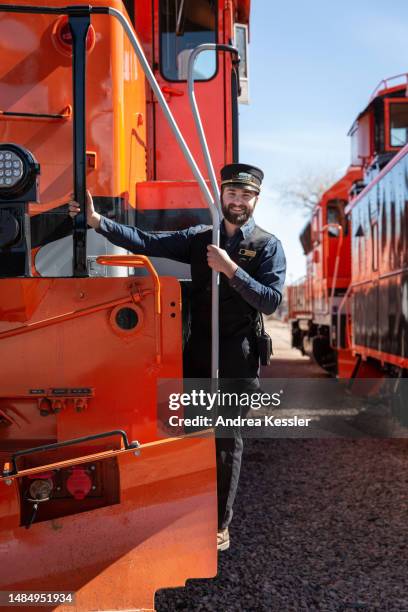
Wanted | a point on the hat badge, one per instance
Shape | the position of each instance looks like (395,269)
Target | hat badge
(244,176)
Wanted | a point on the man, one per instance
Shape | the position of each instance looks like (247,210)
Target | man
(252,266)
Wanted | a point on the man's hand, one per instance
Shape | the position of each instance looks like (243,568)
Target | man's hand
(219,260)
(92,217)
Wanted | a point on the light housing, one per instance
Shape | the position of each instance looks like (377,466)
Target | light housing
(18,171)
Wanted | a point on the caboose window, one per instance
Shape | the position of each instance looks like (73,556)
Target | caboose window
(398,124)
(185,24)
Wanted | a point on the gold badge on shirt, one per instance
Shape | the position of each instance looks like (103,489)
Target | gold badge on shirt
(247,253)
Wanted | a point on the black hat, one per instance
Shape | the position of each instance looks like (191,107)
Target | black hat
(243,176)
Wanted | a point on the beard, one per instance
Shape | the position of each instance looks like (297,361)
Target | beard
(236,218)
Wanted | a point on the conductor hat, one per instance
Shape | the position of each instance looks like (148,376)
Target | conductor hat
(243,176)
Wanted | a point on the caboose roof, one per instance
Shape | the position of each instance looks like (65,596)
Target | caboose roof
(384,89)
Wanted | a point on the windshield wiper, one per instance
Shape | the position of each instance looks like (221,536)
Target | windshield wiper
(179,16)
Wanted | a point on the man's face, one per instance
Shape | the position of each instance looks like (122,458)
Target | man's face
(238,204)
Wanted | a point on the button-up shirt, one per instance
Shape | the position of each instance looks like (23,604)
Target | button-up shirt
(263,291)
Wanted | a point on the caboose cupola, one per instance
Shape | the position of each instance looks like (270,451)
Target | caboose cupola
(381,129)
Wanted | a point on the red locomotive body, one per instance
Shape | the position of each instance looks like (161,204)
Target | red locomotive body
(326,244)
(342,245)
(378,298)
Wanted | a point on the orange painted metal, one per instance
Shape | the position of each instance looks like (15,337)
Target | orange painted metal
(163,530)
(63,334)
(36,77)
(51,348)
(116,557)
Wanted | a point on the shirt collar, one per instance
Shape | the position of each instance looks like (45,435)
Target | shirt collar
(245,229)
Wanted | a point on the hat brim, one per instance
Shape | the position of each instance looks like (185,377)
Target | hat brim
(242,185)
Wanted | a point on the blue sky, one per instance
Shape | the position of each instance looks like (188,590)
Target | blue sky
(313,67)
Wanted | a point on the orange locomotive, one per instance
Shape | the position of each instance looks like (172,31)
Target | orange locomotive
(93,499)
(342,259)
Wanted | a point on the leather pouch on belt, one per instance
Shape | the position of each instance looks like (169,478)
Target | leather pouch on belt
(265,348)
(264,344)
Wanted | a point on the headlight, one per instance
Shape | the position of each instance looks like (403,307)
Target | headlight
(18,170)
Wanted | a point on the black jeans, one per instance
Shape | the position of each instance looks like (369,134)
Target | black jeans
(239,371)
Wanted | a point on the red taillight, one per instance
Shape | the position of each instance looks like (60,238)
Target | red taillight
(79,483)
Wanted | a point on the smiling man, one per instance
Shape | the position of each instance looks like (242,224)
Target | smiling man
(252,266)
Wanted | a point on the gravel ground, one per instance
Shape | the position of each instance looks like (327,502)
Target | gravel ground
(319,525)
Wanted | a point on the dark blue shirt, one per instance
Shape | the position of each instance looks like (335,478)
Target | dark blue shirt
(263,292)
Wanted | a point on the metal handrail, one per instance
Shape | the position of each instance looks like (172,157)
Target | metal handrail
(10,468)
(336,264)
(384,84)
(140,261)
(215,208)
(194,168)
(340,308)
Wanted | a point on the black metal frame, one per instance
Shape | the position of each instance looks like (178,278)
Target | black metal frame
(79,24)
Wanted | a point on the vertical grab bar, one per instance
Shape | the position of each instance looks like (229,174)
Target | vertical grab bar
(215,209)
(79,23)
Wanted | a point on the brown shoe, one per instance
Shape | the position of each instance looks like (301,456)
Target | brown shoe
(223,539)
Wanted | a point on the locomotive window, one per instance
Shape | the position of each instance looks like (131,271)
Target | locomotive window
(335,215)
(398,124)
(185,24)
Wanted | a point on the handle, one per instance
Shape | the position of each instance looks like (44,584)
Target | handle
(140,261)
(215,206)
(50,447)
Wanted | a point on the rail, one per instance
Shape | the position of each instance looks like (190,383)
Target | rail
(215,208)
(336,263)
(10,468)
(385,83)
(338,324)
(140,261)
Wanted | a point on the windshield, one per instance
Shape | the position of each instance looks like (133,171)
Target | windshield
(185,24)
